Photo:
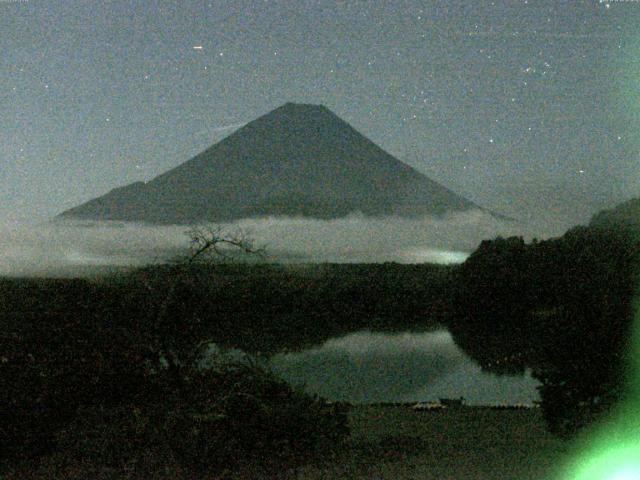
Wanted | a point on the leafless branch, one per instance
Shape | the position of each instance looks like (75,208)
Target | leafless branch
(212,242)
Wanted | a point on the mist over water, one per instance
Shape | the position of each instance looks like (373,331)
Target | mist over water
(54,248)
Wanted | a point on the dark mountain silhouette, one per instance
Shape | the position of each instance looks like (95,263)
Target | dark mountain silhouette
(626,215)
(297,160)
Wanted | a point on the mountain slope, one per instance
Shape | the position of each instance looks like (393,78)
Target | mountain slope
(296,160)
(626,215)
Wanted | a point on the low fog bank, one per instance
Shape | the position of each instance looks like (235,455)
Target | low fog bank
(59,248)
(54,248)
(369,367)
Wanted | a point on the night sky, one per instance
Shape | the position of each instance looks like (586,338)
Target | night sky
(528,107)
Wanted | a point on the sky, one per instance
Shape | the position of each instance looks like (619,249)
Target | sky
(527,107)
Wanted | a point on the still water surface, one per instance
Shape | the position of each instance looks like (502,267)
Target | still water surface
(404,367)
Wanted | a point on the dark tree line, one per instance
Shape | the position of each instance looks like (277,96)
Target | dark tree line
(103,373)
(560,307)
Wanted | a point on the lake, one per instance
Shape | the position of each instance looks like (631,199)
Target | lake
(368,367)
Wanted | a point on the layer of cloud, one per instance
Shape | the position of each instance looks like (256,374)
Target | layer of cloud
(49,248)
(59,248)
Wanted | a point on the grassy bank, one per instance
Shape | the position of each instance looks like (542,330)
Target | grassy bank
(474,443)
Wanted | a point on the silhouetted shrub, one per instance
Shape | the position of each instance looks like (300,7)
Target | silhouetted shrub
(60,406)
(240,413)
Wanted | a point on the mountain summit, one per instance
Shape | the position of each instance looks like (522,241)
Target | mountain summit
(297,160)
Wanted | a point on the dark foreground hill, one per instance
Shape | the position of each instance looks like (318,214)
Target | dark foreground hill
(297,160)
(395,442)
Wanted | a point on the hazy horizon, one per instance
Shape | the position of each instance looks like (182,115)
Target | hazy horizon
(56,248)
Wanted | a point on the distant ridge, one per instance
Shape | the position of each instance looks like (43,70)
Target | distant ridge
(625,215)
(297,160)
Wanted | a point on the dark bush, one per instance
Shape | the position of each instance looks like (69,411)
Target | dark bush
(240,413)
(208,421)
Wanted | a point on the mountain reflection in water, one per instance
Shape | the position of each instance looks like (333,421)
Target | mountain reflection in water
(369,367)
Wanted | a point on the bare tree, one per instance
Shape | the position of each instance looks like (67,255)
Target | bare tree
(182,344)
(212,243)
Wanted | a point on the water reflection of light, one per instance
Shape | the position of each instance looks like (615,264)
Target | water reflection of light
(431,255)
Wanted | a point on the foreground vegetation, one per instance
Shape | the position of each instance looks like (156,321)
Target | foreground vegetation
(105,376)
(563,308)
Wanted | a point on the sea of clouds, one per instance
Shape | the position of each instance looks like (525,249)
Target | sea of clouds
(65,247)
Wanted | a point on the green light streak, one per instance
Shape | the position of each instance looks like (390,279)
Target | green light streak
(611,454)
(633,356)
(620,464)
(610,449)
